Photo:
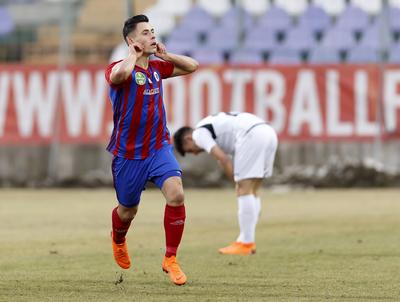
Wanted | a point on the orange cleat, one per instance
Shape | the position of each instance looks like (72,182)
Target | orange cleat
(172,268)
(121,255)
(238,248)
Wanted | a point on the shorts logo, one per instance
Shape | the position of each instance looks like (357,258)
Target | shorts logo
(178,222)
(156,76)
(140,78)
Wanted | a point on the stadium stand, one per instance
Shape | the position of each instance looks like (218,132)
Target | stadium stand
(269,31)
(322,55)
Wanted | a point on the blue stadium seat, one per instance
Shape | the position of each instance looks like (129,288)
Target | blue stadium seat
(246,56)
(260,39)
(338,39)
(275,19)
(300,39)
(361,55)
(208,56)
(322,55)
(314,18)
(284,56)
(352,18)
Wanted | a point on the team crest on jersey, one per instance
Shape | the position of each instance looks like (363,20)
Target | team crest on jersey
(156,76)
(140,78)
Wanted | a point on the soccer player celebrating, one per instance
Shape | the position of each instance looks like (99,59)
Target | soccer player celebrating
(140,141)
(252,144)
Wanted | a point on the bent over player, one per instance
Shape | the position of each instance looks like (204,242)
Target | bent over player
(140,141)
(252,145)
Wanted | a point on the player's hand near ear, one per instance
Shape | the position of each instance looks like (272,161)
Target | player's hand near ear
(121,71)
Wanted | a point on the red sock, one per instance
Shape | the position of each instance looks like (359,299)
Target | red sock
(174,222)
(119,227)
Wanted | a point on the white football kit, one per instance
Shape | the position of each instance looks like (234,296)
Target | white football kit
(248,139)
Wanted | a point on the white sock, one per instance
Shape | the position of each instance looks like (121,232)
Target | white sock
(247,214)
(257,205)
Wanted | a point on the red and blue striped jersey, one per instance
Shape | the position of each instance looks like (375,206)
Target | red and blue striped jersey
(139,115)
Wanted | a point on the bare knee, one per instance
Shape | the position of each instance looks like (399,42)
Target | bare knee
(244,187)
(176,197)
(127,214)
(173,191)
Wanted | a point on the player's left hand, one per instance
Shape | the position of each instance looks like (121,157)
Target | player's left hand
(161,51)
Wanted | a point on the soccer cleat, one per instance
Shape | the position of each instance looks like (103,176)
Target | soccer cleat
(238,248)
(172,268)
(121,255)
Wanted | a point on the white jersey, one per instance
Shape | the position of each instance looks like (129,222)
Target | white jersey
(223,129)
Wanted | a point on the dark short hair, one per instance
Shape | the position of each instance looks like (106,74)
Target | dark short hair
(130,24)
(178,139)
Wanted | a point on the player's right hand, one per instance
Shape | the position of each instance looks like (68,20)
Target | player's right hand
(135,48)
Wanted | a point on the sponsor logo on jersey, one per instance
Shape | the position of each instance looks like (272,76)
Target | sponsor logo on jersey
(140,78)
(151,91)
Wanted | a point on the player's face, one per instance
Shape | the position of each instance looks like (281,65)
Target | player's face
(190,147)
(144,34)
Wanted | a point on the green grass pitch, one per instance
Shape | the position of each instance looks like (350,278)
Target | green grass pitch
(323,245)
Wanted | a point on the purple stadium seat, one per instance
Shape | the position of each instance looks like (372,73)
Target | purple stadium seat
(260,39)
(246,56)
(300,39)
(182,41)
(284,56)
(197,20)
(222,39)
(394,18)
(6,22)
(353,18)
(373,38)
(394,54)
(181,33)
(208,56)
(237,16)
(180,47)
(314,18)
(338,39)
(275,19)
(322,55)
(363,55)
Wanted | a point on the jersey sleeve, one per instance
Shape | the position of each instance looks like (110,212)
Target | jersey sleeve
(108,74)
(203,139)
(165,68)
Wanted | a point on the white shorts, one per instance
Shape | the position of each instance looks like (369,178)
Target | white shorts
(255,153)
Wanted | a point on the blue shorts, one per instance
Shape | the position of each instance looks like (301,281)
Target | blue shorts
(131,175)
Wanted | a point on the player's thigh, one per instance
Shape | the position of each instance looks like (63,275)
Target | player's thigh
(247,186)
(130,177)
(163,166)
(248,161)
(270,153)
(166,173)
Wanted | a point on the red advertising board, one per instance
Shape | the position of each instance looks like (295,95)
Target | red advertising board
(330,102)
